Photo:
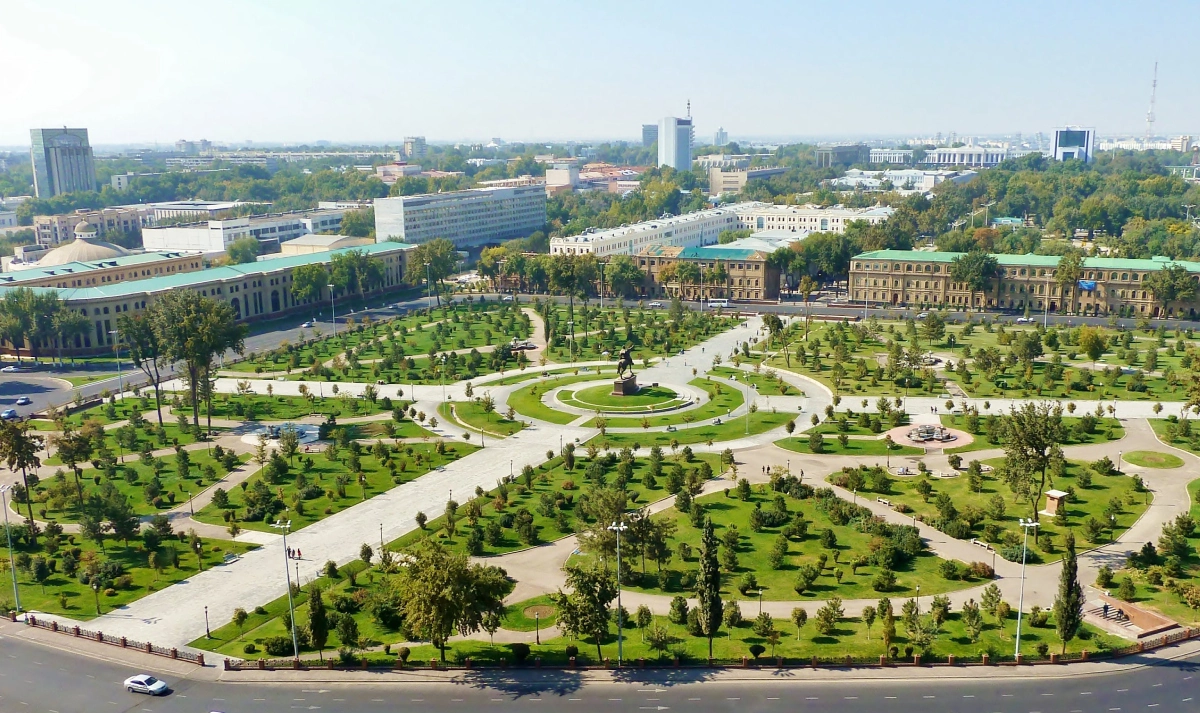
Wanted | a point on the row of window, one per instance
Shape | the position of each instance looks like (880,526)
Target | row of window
(1011,272)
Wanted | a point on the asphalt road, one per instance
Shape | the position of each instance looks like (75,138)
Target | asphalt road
(37,678)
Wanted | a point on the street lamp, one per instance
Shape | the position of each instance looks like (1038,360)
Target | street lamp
(620,633)
(1120,458)
(760,591)
(1027,525)
(284,527)
(200,555)
(332,308)
(117,352)
(207,631)
(96,592)
(537,627)
(12,567)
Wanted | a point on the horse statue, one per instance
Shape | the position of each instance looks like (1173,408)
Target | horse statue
(625,362)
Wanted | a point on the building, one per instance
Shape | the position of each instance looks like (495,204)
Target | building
(469,218)
(1073,142)
(62,162)
(346,205)
(309,244)
(722,160)
(806,218)
(88,262)
(192,148)
(196,210)
(649,135)
(562,177)
(675,137)
(8,219)
(842,155)
(902,156)
(255,291)
(515,182)
(978,156)
(51,230)
(215,236)
(1105,286)
(389,173)
(734,180)
(414,147)
(721,137)
(909,179)
(1182,144)
(481,162)
(736,274)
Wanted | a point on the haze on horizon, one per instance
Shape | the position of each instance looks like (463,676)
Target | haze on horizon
(133,71)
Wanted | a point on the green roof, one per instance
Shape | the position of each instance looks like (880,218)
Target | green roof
(183,280)
(80,268)
(718,253)
(1031,260)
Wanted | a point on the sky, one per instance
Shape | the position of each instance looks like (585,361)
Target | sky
(375,71)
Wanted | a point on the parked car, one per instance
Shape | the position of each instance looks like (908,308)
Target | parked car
(145,683)
(1024,320)
(923,315)
(24,401)
(508,298)
(9,414)
(306,325)
(655,305)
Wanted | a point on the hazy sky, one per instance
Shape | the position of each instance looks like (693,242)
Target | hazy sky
(300,70)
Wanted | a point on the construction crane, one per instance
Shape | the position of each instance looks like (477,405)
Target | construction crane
(1150,113)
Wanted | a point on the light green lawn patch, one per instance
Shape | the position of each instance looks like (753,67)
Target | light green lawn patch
(1153,459)
(759,422)
(853,447)
(472,414)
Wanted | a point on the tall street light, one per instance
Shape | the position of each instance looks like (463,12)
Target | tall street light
(332,308)
(117,352)
(619,528)
(1027,525)
(284,527)
(12,567)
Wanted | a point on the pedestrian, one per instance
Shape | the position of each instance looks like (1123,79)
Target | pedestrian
(298,555)
(1105,611)
(289,553)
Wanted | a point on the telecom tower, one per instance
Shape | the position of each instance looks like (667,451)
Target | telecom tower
(1150,113)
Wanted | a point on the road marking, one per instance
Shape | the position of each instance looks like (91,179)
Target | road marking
(733,699)
(1047,694)
(772,699)
(373,700)
(569,699)
(892,697)
(1185,700)
(1122,690)
(850,698)
(614,699)
(1085,693)
(693,699)
(812,698)
(1006,695)
(968,696)
(452,700)
(929,696)
(1152,705)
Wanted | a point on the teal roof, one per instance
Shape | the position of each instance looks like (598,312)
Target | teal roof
(79,268)
(184,280)
(1031,260)
(714,252)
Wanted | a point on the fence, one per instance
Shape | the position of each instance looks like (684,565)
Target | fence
(121,641)
(762,663)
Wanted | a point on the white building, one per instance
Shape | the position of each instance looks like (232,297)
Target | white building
(215,236)
(980,156)
(675,137)
(1073,142)
(721,137)
(810,218)
(414,146)
(911,179)
(891,156)
(468,218)
(198,210)
(1181,143)
(8,219)
(562,177)
(723,160)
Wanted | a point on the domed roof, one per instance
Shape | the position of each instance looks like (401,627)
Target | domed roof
(81,250)
(84,227)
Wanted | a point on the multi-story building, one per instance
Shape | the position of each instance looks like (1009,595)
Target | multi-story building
(62,162)
(722,180)
(722,160)
(257,290)
(908,179)
(414,147)
(727,273)
(562,177)
(51,230)
(1026,282)
(688,230)
(675,137)
(389,173)
(197,210)
(835,219)
(267,161)
(721,137)
(468,218)
(215,236)
(965,156)
(514,182)
(842,155)
(1182,144)
(8,219)
(1073,142)
(891,156)
(649,135)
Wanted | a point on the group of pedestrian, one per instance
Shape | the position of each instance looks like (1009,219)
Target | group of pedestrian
(293,554)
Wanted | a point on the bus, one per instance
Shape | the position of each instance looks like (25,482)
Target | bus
(718,303)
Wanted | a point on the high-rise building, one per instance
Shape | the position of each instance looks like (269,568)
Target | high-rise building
(468,218)
(1073,142)
(721,137)
(62,161)
(675,138)
(649,134)
(1181,143)
(414,146)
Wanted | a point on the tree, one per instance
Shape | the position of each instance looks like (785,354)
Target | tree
(807,286)
(1067,274)
(974,270)
(623,275)
(1068,605)
(972,619)
(356,271)
(708,586)
(799,618)
(243,250)
(318,620)
(70,325)
(1173,283)
(19,450)
(644,619)
(585,611)
(239,620)
(308,281)
(1092,341)
(868,616)
(40,570)
(933,328)
(444,593)
(195,330)
(27,317)
(1031,437)
(138,332)
(829,615)
(434,260)
(347,631)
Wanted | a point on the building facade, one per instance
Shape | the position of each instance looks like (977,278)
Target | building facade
(721,180)
(1073,142)
(842,155)
(811,218)
(215,236)
(467,218)
(902,156)
(675,137)
(62,161)
(51,230)
(649,135)
(733,274)
(1026,282)
(414,146)
(965,156)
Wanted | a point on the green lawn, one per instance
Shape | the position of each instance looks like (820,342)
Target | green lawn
(527,400)
(722,399)
(1153,459)
(530,614)
(1178,433)
(759,422)
(379,429)
(68,596)
(649,332)
(1076,427)
(266,407)
(853,447)
(601,398)
(767,381)
(130,439)
(1153,584)
(321,485)
(472,414)
(88,379)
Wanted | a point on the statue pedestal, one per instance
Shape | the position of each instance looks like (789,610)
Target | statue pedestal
(625,386)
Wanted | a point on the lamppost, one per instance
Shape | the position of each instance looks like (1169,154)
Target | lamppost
(200,555)
(1027,525)
(429,285)
(96,592)
(190,505)
(620,624)
(117,353)
(12,567)
(207,631)
(1120,458)
(284,527)
(381,539)
(760,591)
(332,308)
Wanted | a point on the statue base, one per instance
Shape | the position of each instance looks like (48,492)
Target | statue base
(625,386)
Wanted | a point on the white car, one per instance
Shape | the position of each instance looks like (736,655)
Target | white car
(145,683)
(24,401)
(306,325)
(507,298)
(655,305)
(1024,320)
(9,414)
(9,370)
(923,315)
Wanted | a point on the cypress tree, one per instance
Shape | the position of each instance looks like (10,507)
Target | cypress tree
(708,588)
(1068,606)
(318,620)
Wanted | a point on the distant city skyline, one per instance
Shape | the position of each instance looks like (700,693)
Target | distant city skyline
(373,72)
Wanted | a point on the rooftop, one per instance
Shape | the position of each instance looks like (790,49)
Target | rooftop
(1031,260)
(27,274)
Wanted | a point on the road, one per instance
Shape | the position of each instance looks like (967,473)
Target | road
(39,679)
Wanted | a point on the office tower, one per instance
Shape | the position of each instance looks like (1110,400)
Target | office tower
(1074,142)
(469,218)
(675,143)
(649,135)
(721,137)
(62,161)
(414,146)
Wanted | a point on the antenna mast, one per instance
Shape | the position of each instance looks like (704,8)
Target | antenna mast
(1150,113)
